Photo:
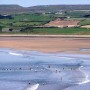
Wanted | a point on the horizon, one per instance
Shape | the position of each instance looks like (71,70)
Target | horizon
(42,5)
(30,3)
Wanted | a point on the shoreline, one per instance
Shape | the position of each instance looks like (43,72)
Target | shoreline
(47,43)
(52,35)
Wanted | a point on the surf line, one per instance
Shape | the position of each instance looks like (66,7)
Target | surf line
(16,54)
(33,87)
(86,77)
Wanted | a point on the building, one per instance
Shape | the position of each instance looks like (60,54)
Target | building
(10,30)
(6,17)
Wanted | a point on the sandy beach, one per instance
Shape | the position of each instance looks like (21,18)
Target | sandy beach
(46,43)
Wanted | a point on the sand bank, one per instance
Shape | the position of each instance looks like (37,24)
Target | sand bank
(46,43)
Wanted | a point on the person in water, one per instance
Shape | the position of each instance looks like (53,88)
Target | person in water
(49,66)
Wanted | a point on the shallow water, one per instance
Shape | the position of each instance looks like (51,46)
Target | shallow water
(33,70)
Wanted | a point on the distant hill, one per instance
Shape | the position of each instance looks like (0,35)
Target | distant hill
(12,9)
(43,8)
(56,8)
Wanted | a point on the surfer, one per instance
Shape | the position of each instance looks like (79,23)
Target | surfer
(61,78)
(56,71)
(29,83)
(30,68)
(59,71)
(49,66)
(20,68)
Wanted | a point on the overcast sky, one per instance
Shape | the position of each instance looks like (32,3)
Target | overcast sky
(27,3)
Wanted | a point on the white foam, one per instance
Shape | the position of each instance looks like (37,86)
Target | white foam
(34,87)
(16,54)
(86,79)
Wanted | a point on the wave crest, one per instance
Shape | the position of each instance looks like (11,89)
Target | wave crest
(33,87)
(16,54)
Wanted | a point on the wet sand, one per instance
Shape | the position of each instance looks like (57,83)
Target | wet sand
(46,43)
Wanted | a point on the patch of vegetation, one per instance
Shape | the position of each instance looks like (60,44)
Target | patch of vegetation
(24,20)
(33,17)
(77,14)
(85,22)
(1,28)
(57,31)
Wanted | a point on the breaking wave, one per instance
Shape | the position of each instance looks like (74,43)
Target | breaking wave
(85,81)
(86,78)
(16,54)
(33,87)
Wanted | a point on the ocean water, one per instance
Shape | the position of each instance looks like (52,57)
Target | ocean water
(33,70)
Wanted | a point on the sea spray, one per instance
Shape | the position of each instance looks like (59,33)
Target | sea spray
(33,87)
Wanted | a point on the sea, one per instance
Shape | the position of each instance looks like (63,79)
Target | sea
(34,70)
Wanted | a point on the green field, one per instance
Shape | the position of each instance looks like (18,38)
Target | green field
(20,20)
(29,22)
(66,31)
(58,31)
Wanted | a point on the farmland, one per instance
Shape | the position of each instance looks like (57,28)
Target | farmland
(33,22)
